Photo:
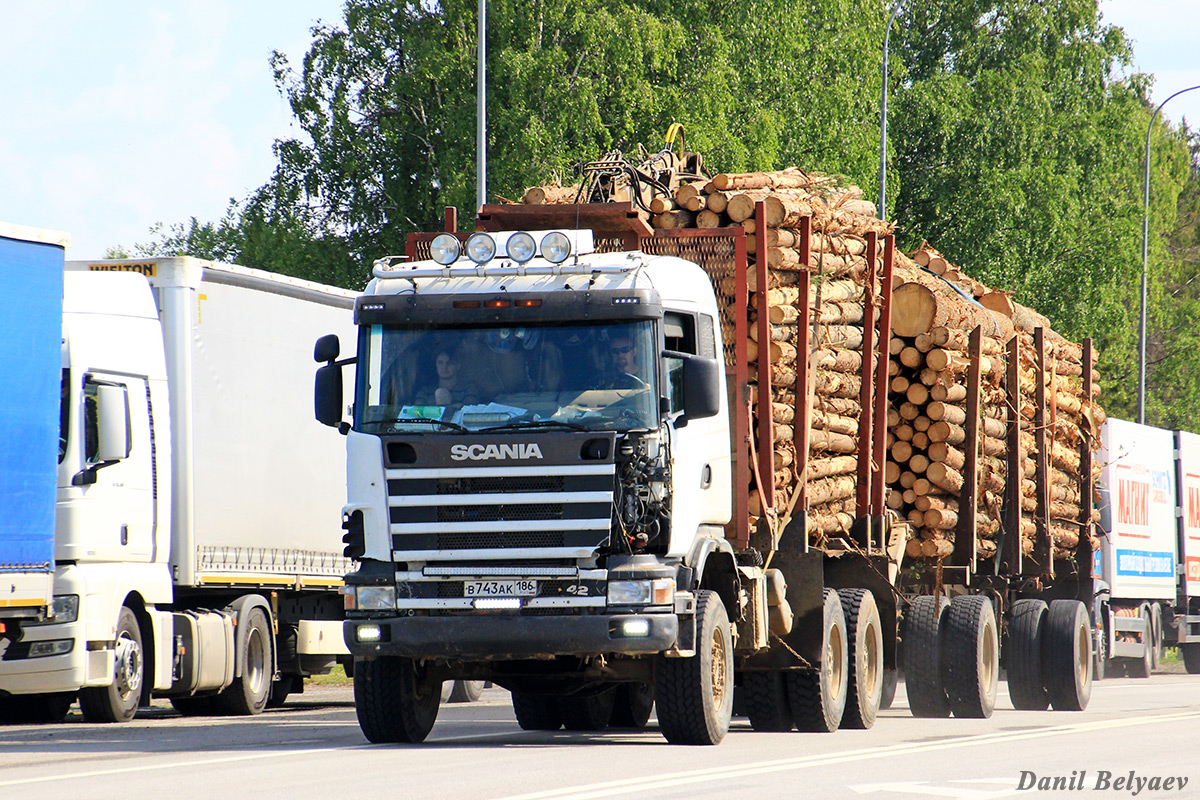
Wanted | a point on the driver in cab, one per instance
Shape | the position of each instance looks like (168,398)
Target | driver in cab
(626,362)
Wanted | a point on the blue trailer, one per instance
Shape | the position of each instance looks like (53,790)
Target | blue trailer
(31,291)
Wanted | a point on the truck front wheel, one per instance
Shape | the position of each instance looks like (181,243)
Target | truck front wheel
(695,694)
(818,696)
(118,701)
(395,699)
(1191,658)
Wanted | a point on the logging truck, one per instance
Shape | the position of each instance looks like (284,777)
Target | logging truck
(1148,568)
(561,474)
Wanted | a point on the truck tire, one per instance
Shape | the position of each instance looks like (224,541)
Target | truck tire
(249,692)
(764,697)
(1142,667)
(1191,658)
(589,713)
(865,658)
(36,708)
(1100,660)
(1067,655)
(395,700)
(923,626)
(195,706)
(1158,649)
(972,653)
(280,689)
(633,705)
(536,712)
(695,694)
(118,702)
(466,691)
(890,678)
(1026,629)
(818,697)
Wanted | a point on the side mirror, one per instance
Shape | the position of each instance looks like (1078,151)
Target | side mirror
(701,387)
(327,394)
(328,348)
(112,423)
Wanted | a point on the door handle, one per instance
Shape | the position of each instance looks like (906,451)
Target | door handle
(124,534)
(706,477)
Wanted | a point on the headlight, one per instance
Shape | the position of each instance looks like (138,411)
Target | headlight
(374,598)
(445,249)
(481,248)
(657,592)
(556,246)
(64,608)
(521,247)
(54,647)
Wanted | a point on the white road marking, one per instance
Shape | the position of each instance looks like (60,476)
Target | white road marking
(730,772)
(925,789)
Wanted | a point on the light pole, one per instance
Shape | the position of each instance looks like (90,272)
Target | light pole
(481,111)
(1145,261)
(883,114)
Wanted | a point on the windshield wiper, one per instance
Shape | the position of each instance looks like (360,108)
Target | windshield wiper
(418,421)
(536,423)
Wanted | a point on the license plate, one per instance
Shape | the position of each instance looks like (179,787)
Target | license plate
(519,588)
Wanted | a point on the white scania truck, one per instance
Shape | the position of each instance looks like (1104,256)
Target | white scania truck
(548,487)
(186,533)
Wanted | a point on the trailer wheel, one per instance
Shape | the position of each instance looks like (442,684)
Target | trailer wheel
(865,658)
(1026,629)
(588,713)
(395,700)
(764,695)
(923,626)
(890,678)
(250,691)
(633,705)
(972,651)
(1191,658)
(818,697)
(118,702)
(536,712)
(1142,667)
(695,694)
(1068,655)
(466,691)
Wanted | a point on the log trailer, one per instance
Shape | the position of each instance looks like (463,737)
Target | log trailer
(586,536)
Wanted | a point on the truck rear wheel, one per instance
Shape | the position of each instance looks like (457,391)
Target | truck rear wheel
(633,705)
(1026,629)
(923,625)
(118,701)
(466,691)
(972,657)
(890,678)
(695,694)
(395,700)
(1142,667)
(1068,656)
(1191,658)
(865,657)
(818,697)
(590,713)
(765,699)
(536,712)
(250,691)
(36,708)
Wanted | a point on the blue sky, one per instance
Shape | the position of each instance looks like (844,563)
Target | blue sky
(124,113)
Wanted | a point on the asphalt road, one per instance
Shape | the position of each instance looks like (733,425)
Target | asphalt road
(312,748)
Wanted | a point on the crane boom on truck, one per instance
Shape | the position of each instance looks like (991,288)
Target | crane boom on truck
(193,550)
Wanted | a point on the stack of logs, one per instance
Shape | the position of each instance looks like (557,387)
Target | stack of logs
(932,320)
(931,323)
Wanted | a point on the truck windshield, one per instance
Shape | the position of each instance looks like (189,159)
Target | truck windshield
(579,376)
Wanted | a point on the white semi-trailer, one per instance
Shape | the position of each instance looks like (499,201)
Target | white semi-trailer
(195,546)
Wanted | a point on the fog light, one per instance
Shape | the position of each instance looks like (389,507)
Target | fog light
(635,628)
(368,633)
(53,647)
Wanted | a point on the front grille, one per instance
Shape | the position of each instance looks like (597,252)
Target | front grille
(527,483)
(506,513)
(498,541)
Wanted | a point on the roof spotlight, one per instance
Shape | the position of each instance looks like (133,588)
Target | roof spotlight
(445,249)
(481,247)
(521,247)
(556,246)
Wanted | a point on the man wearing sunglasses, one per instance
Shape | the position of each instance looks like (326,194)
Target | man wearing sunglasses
(623,352)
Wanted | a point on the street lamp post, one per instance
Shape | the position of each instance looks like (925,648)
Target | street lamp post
(1145,260)
(883,114)
(481,110)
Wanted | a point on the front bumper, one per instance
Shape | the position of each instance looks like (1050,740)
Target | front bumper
(495,637)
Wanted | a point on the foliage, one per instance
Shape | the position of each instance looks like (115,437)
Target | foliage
(1016,144)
